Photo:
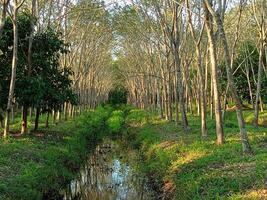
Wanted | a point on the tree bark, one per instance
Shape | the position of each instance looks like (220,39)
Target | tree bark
(47,120)
(37,115)
(257,101)
(5,4)
(14,68)
(232,87)
(201,80)
(24,129)
(214,76)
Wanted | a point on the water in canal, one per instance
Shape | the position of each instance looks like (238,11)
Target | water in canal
(109,175)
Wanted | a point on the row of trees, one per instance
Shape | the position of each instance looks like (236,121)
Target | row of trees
(177,54)
(53,57)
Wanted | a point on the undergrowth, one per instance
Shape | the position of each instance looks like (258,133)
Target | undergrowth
(183,166)
(34,167)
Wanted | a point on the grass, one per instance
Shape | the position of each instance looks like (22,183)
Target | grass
(39,167)
(184,166)
(179,165)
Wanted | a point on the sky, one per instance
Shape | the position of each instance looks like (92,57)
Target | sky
(110,3)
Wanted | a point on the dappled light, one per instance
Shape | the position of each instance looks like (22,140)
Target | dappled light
(133,99)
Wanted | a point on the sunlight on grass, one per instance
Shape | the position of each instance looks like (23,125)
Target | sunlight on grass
(199,169)
(185,158)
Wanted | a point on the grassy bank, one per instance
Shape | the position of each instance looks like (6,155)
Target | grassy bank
(179,165)
(183,166)
(39,165)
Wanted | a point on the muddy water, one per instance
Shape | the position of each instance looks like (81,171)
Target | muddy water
(109,175)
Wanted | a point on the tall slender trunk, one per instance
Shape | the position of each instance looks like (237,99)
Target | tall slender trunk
(249,84)
(66,111)
(58,116)
(257,101)
(175,43)
(232,87)
(176,101)
(211,99)
(47,120)
(30,112)
(202,96)
(214,77)
(5,4)
(24,129)
(13,73)
(169,96)
(37,115)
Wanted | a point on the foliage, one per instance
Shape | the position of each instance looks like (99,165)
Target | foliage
(137,116)
(117,96)
(46,84)
(246,69)
(116,121)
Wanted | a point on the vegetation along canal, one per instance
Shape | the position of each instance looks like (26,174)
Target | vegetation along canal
(109,174)
(133,100)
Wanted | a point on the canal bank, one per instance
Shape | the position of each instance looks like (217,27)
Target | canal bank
(39,165)
(153,157)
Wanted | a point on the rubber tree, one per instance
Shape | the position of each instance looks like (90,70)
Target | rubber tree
(260,16)
(214,73)
(173,36)
(16,6)
(201,73)
(238,104)
(4,4)
(24,127)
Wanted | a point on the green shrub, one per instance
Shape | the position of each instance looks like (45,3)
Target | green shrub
(137,117)
(116,121)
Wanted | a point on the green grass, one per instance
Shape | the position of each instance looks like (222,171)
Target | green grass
(180,165)
(37,167)
(187,167)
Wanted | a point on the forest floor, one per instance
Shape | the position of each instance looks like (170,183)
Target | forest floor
(179,165)
(38,166)
(184,166)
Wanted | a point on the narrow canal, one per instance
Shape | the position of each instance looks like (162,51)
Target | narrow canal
(109,174)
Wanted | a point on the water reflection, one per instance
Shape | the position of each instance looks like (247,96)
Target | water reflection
(108,176)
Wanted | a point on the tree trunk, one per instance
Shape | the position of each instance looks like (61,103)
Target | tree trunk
(13,72)
(58,116)
(47,120)
(30,113)
(54,116)
(175,51)
(24,128)
(66,111)
(214,77)
(5,4)
(257,101)
(238,104)
(37,115)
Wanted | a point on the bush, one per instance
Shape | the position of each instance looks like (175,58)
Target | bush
(137,117)
(116,121)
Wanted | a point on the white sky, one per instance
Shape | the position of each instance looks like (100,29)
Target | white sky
(109,3)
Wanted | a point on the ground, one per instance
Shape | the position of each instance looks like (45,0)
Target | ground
(180,165)
(193,168)
(37,166)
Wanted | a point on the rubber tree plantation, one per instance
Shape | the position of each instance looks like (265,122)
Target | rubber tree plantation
(133,99)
